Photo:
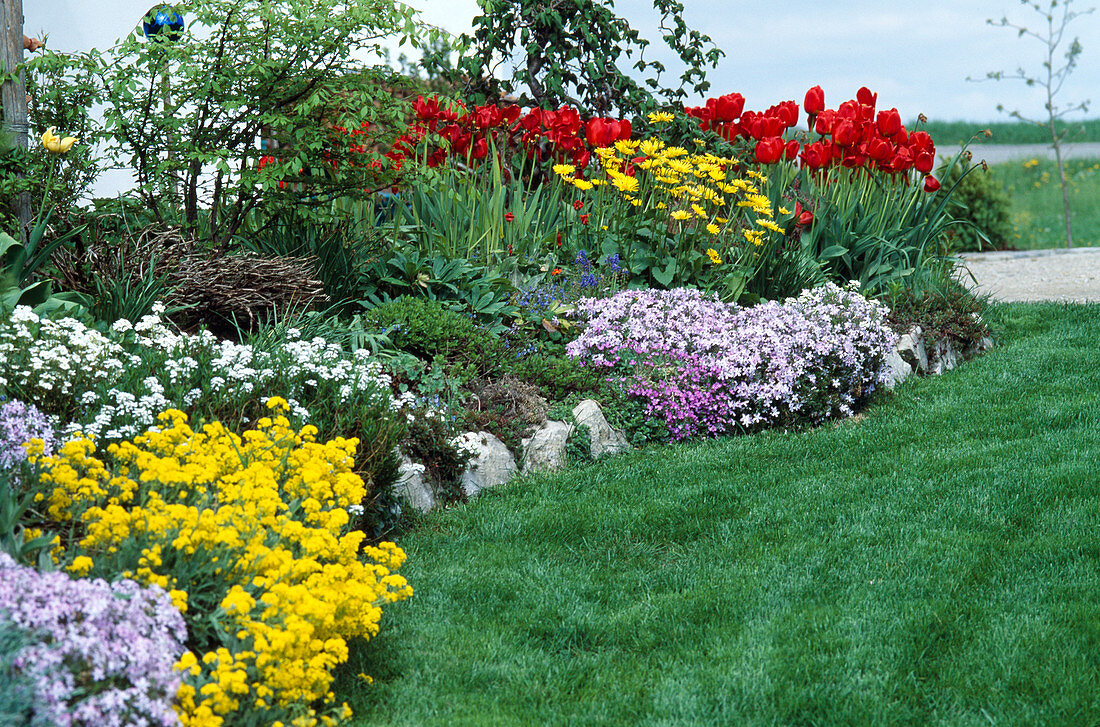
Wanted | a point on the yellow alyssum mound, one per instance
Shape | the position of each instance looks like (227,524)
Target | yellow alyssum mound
(249,533)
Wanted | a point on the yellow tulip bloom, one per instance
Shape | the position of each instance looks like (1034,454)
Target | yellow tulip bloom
(55,144)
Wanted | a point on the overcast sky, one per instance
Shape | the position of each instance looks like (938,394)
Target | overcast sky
(916,58)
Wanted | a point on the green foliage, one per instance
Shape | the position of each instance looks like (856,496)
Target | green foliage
(429,442)
(880,230)
(459,284)
(627,414)
(557,376)
(16,503)
(950,312)
(782,268)
(981,204)
(571,52)
(578,447)
(426,329)
(186,112)
(19,264)
(480,213)
(61,92)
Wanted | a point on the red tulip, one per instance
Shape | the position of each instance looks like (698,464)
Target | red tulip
(903,160)
(888,122)
(866,98)
(436,158)
(923,162)
(728,107)
(826,122)
(815,101)
(816,155)
(786,112)
(791,150)
(845,133)
(486,117)
(605,132)
(921,141)
(879,149)
(931,184)
(770,150)
(426,108)
(804,217)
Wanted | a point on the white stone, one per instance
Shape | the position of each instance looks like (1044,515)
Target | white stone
(605,440)
(944,358)
(897,369)
(545,450)
(911,349)
(985,343)
(491,463)
(411,486)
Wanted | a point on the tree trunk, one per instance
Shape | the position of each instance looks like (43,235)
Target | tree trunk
(1065,189)
(14,95)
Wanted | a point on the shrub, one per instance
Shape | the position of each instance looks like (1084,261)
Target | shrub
(91,653)
(250,536)
(983,206)
(953,313)
(426,329)
(710,368)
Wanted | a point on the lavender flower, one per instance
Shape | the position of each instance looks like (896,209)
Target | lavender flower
(99,654)
(20,423)
(710,368)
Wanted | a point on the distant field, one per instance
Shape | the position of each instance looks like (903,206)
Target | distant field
(946,133)
(1036,196)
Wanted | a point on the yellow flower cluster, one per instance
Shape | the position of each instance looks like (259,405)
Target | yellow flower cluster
(267,513)
(699,191)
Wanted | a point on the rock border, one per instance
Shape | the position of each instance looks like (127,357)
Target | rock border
(491,463)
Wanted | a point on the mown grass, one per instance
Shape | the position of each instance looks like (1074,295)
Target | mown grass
(953,133)
(1036,197)
(933,562)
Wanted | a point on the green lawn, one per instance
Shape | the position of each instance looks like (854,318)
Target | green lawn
(935,562)
(1036,196)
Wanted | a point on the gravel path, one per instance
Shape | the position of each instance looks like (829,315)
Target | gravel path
(1033,275)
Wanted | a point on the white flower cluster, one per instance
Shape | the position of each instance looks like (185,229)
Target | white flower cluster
(467,444)
(47,359)
(104,378)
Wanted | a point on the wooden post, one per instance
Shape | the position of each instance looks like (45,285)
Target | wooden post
(13,93)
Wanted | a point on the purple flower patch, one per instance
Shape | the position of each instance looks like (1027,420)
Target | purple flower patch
(98,654)
(707,368)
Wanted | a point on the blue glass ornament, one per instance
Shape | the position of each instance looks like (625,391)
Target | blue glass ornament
(163,22)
